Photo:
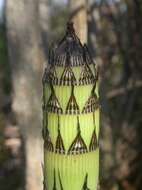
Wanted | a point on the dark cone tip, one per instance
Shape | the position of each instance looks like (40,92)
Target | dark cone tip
(70,28)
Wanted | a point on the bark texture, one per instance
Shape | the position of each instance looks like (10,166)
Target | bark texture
(26,59)
(78,13)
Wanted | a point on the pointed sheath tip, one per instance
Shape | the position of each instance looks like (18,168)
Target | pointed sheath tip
(70,28)
(78,125)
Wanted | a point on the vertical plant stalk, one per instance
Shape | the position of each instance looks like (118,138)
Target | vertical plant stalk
(70,117)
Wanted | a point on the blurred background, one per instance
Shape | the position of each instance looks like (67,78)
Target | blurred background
(113,31)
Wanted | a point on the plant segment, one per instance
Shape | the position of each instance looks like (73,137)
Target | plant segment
(70,117)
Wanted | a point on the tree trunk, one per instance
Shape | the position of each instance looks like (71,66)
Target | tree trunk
(79,17)
(44,23)
(26,59)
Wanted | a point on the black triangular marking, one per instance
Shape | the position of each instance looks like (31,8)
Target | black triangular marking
(85,183)
(59,141)
(61,185)
(44,183)
(78,146)
(95,71)
(43,97)
(47,142)
(94,142)
(44,78)
(86,55)
(72,106)
(52,75)
(68,77)
(92,103)
(86,76)
(54,183)
(53,104)
(44,127)
(44,124)
(44,186)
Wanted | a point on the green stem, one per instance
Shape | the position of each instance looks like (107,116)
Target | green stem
(71,112)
